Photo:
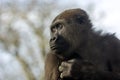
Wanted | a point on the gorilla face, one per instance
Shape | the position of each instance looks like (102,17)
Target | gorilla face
(58,41)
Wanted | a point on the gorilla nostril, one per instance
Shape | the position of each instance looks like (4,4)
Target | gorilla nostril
(57,39)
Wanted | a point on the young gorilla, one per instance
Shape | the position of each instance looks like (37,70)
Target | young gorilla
(78,52)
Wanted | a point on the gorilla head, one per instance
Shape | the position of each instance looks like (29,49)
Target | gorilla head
(69,31)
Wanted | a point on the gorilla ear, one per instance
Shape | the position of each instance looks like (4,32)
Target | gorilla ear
(83,19)
(80,19)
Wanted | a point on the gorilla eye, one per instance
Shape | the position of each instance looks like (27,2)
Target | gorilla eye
(57,26)
(53,29)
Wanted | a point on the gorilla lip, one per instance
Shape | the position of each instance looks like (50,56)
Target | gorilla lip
(55,47)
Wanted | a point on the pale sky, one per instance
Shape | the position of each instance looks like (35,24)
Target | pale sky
(111,21)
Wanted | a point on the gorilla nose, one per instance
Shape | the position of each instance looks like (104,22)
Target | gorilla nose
(57,39)
(54,39)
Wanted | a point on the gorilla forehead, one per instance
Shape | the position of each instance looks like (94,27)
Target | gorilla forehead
(72,13)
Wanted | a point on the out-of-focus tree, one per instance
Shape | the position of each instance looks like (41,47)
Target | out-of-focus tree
(22,34)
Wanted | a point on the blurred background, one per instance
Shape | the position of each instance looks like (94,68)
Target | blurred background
(24,31)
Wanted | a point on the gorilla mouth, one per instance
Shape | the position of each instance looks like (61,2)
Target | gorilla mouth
(59,45)
(55,47)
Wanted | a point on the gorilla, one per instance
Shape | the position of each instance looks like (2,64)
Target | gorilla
(78,52)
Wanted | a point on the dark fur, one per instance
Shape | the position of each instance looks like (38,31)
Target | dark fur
(101,51)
